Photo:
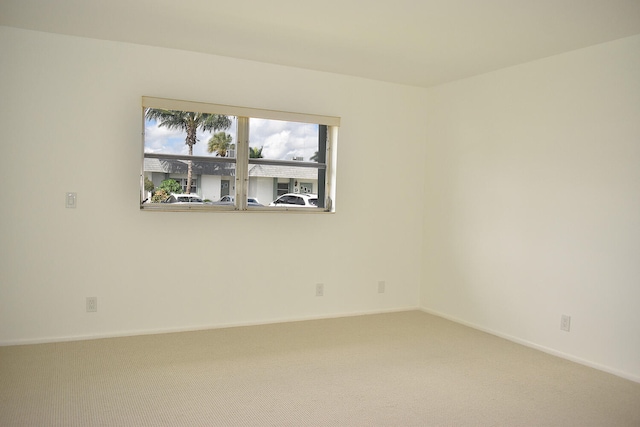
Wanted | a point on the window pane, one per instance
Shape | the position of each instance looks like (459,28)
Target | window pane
(179,135)
(286,142)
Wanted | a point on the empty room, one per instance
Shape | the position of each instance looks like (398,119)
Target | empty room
(410,213)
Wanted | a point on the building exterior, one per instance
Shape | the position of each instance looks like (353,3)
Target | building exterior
(211,180)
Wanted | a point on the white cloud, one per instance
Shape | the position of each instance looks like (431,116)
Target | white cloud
(284,140)
(162,140)
(276,146)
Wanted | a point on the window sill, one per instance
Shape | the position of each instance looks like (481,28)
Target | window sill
(159,207)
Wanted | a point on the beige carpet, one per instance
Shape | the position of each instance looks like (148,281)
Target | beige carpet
(397,369)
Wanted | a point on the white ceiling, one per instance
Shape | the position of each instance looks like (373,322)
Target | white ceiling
(414,42)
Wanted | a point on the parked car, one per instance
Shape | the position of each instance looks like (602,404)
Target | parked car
(182,199)
(229,200)
(296,200)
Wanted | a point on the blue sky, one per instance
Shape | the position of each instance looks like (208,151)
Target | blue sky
(280,140)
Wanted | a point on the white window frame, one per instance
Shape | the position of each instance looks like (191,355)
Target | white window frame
(242,159)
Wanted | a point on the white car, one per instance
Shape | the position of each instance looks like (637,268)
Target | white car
(182,199)
(295,200)
(229,200)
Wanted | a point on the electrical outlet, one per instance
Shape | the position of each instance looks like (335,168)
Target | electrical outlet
(319,289)
(92,304)
(381,286)
(71,200)
(565,323)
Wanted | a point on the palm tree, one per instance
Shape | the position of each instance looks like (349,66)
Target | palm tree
(189,122)
(220,143)
(255,152)
(314,158)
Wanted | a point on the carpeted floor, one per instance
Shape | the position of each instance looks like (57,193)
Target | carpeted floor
(396,369)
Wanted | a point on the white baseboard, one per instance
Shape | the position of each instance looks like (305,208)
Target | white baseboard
(542,348)
(199,327)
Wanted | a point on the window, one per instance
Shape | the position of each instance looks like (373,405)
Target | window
(236,158)
(283,188)
(182,182)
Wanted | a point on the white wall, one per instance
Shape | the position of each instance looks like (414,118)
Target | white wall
(210,186)
(70,120)
(532,206)
(261,188)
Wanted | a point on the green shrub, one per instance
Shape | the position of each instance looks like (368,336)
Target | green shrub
(159,196)
(171,186)
(148,184)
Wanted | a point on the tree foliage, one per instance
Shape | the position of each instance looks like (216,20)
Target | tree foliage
(159,196)
(255,152)
(148,184)
(171,186)
(220,143)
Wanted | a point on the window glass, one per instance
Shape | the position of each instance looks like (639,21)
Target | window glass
(176,147)
(286,141)
(283,188)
